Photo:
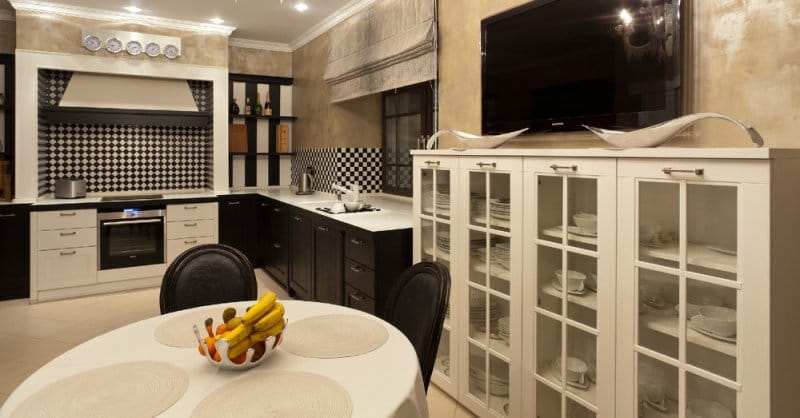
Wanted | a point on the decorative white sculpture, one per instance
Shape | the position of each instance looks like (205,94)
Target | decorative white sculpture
(474,141)
(655,135)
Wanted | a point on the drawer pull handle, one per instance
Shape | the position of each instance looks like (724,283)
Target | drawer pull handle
(7,215)
(695,171)
(73,252)
(356,297)
(357,269)
(276,209)
(431,162)
(556,167)
(356,241)
(68,213)
(190,207)
(67,234)
(263,205)
(276,245)
(323,228)
(481,165)
(234,203)
(190,225)
(297,218)
(194,241)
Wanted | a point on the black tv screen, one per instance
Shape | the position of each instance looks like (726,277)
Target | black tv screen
(553,65)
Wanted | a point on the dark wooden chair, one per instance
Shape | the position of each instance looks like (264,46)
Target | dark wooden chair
(416,306)
(206,275)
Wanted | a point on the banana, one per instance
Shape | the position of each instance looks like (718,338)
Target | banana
(261,308)
(236,350)
(241,332)
(270,319)
(233,323)
(258,336)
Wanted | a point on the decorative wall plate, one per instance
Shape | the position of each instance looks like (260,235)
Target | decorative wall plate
(113,45)
(152,49)
(171,51)
(92,43)
(134,47)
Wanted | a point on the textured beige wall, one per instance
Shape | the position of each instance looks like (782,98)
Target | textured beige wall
(353,123)
(63,34)
(8,37)
(747,65)
(259,62)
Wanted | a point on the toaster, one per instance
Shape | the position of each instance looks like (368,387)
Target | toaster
(70,188)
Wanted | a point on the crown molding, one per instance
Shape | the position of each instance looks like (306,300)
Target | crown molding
(7,15)
(326,24)
(262,45)
(35,6)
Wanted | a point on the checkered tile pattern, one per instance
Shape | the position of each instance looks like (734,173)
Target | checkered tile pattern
(52,85)
(203,94)
(340,165)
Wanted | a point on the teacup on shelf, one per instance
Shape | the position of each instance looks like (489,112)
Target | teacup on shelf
(586,222)
(575,280)
(576,369)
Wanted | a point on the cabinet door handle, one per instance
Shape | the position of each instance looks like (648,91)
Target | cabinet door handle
(695,171)
(263,205)
(297,218)
(190,225)
(67,234)
(276,209)
(431,162)
(194,241)
(68,213)
(356,297)
(481,165)
(556,167)
(73,252)
(357,269)
(276,245)
(323,228)
(190,207)
(356,241)
(233,203)
(7,215)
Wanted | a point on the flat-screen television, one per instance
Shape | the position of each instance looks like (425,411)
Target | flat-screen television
(553,65)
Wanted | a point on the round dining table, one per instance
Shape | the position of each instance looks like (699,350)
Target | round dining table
(385,382)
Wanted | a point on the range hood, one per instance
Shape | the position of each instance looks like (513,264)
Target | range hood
(125,92)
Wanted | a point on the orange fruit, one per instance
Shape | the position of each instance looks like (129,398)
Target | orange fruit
(222,328)
(217,357)
(211,348)
(240,358)
(201,349)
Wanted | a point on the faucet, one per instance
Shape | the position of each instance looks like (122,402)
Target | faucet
(352,192)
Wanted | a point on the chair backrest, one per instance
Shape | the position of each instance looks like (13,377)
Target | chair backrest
(205,275)
(416,306)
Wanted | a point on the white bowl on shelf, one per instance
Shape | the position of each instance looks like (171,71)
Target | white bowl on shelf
(575,280)
(587,222)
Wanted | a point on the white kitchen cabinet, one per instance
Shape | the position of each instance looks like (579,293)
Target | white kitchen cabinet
(63,249)
(190,225)
(67,267)
(682,235)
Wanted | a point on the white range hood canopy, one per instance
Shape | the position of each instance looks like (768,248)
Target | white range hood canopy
(128,92)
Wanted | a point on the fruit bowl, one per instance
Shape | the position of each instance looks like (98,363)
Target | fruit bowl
(270,345)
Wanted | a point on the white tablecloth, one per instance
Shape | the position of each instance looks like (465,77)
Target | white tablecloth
(383,383)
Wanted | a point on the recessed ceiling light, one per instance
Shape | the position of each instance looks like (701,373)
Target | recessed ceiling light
(133,9)
(216,20)
(301,6)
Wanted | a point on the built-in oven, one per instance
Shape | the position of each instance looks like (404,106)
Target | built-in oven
(130,237)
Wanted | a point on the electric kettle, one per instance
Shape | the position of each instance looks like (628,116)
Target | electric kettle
(306,181)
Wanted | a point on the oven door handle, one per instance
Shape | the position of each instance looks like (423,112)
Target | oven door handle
(134,222)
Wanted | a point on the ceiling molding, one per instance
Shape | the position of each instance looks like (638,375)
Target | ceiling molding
(7,15)
(326,24)
(262,45)
(35,6)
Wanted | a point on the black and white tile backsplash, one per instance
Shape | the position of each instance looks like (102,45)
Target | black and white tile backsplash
(52,85)
(341,166)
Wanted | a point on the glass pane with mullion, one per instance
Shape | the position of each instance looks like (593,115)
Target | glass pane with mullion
(405,176)
(500,205)
(443,353)
(581,364)
(705,398)
(390,104)
(548,348)
(409,129)
(548,402)
(711,328)
(711,218)
(659,221)
(391,179)
(426,240)
(478,318)
(498,385)
(657,388)
(477,373)
(582,211)
(479,257)
(427,194)
(443,243)
(500,263)
(549,297)
(499,313)
(441,197)
(477,196)
(550,207)
(658,293)
(576,410)
(390,134)
(581,282)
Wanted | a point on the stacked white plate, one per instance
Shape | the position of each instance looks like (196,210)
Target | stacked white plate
(503,328)
(477,207)
(502,254)
(443,241)
(498,385)
(500,209)
(478,310)
(442,202)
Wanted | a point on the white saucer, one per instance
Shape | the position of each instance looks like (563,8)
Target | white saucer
(711,333)
(557,286)
(656,406)
(723,250)
(557,373)
(580,231)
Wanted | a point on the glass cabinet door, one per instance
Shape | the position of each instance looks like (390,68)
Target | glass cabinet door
(687,287)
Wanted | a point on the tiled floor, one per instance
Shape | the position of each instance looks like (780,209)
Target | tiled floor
(43,331)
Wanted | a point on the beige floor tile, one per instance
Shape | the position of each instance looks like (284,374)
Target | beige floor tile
(32,350)
(14,373)
(3,397)
(462,412)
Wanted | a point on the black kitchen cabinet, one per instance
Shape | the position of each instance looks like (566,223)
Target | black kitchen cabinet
(275,243)
(238,219)
(301,247)
(14,252)
(328,261)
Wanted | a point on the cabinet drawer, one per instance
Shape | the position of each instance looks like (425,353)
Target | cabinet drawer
(360,277)
(191,211)
(64,219)
(190,228)
(67,238)
(66,268)
(176,246)
(360,248)
(357,300)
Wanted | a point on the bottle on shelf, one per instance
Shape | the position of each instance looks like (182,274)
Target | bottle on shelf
(267,108)
(247,107)
(234,107)
(257,106)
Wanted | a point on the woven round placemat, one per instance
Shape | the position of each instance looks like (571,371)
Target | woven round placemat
(177,332)
(136,389)
(279,394)
(334,336)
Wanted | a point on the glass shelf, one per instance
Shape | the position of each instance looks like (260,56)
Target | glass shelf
(697,254)
(668,324)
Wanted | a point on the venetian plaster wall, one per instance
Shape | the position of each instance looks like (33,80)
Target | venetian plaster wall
(259,62)
(351,124)
(8,37)
(746,64)
(62,34)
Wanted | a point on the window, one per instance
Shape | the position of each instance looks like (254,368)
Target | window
(407,118)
